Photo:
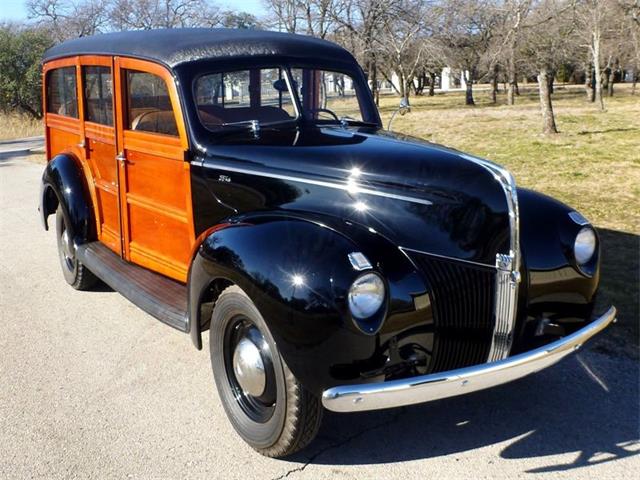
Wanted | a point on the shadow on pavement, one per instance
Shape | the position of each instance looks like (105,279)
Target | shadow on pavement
(620,286)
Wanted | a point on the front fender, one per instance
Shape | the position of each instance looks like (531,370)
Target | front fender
(64,184)
(297,272)
(554,287)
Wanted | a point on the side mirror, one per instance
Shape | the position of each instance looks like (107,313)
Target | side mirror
(403,109)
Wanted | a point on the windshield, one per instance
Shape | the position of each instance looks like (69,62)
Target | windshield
(271,95)
(239,96)
(327,96)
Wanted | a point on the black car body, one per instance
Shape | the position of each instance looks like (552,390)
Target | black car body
(481,281)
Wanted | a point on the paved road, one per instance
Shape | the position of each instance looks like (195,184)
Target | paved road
(21,146)
(91,387)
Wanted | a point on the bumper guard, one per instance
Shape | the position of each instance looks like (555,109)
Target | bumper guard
(435,386)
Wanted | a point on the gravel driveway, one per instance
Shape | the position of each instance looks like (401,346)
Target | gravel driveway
(91,387)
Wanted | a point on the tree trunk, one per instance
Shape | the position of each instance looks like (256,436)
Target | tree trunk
(373,70)
(610,81)
(551,77)
(634,81)
(468,100)
(548,120)
(595,50)
(588,83)
(494,85)
(432,84)
(402,85)
(511,74)
(612,77)
(511,90)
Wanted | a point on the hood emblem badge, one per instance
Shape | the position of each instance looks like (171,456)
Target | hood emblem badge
(359,261)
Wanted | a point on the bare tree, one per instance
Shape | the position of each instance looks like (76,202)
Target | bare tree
(70,18)
(359,25)
(631,9)
(549,42)
(402,43)
(319,16)
(148,14)
(517,12)
(285,14)
(467,30)
(600,21)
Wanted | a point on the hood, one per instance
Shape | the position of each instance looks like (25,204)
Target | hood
(419,195)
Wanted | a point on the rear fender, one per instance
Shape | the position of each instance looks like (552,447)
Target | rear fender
(64,185)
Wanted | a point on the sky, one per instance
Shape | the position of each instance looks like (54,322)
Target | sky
(16,9)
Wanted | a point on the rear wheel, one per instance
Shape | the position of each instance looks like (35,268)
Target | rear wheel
(75,273)
(264,401)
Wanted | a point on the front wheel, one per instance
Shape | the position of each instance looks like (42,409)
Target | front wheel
(75,273)
(264,401)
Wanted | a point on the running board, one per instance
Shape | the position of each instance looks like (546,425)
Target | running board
(156,294)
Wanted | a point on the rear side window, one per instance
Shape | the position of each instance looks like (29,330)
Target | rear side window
(62,93)
(98,94)
(148,104)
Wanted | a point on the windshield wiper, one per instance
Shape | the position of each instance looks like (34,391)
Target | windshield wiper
(360,123)
(253,125)
(345,122)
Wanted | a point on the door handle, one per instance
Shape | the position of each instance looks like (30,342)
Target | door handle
(82,144)
(121,158)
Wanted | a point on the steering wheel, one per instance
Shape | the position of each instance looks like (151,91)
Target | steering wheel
(325,110)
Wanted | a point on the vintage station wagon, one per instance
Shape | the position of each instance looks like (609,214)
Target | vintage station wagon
(241,182)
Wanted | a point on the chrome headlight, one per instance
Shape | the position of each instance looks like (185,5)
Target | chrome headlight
(366,295)
(585,245)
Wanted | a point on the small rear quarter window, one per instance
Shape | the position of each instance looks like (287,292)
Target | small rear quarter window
(62,92)
(98,95)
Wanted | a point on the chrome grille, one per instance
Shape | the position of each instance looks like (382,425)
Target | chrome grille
(463,299)
(506,302)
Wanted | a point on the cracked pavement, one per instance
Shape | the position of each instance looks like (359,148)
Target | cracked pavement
(92,387)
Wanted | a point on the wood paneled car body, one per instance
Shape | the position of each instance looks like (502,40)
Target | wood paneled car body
(241,182)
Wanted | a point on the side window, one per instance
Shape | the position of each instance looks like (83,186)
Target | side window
(148,104)
(98,94)
(62,93)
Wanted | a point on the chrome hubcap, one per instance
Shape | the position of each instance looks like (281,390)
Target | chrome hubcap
(66,246)
(248,367)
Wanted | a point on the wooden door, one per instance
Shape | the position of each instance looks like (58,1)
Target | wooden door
(155,186)
(100,145)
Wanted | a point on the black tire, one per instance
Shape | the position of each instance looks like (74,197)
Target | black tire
(75,273)
(280,422)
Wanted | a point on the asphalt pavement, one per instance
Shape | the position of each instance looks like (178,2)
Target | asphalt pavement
(92,387)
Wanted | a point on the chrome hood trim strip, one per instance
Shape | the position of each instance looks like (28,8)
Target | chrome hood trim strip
(508,265)
(351,186)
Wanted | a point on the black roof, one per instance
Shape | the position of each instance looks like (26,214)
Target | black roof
(178,45)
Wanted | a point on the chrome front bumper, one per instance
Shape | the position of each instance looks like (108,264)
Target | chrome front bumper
(425,388)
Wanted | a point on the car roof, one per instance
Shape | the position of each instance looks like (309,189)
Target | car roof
(175,46)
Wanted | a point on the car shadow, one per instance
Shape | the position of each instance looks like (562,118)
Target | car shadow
(620,286)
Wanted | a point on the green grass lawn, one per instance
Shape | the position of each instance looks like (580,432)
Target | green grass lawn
(593,165)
